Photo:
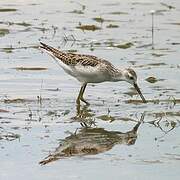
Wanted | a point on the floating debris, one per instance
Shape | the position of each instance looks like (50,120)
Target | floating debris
(152,161)
(124,46)
(157,55)
(112,26)
(118,13)
(11,49)
(17,100)
(155,101)
(142,3)
(157,64)
(13,23)
(151,64)
(88,27)
(8,50)
(77,12)
(166,113)
(111,4)
(106,118)
(40,29)
(145,46)
(72,50)
(56,89)
(151,79)
(9,136)
(66,112)
(3,32)
(23,24)
(176,23)
(168,6)
(175,43)
(30,68)
(111,43)
(7,9)
(98,19)
(126,119)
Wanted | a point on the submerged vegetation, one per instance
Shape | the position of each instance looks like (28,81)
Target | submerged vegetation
(7,9)
(88,27)
(151,79)
(30,68)
(124,46)
(3,32)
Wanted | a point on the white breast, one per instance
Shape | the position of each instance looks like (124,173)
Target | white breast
(90,74)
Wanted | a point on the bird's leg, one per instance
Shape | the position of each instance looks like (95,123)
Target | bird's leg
(80,96)
(78,109)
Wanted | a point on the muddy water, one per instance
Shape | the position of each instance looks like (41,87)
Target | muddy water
(41,135)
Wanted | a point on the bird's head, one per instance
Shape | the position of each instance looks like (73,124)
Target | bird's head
(131,77)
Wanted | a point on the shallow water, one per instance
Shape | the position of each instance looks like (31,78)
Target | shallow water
(115,137)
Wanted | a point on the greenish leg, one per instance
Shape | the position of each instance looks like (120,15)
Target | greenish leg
(82,99)
(80,96)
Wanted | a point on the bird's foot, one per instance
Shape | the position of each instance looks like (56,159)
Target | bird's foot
(83,100)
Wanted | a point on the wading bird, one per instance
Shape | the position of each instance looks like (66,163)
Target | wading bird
(91,69)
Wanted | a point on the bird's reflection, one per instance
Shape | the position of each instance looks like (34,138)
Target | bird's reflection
(84,115)
(82,111)
(89,141)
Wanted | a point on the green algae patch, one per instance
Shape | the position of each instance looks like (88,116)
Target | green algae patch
(98,19)
(124,46)
(9,136)
(30,68)
(118,13)
(23,24)
(7,10)
(3,32)
(106,118)
(88,27)
(155,101)
(9,23)
(17,100)
(151,79)
(8,50)
(72,50)
(175,23)
(167,5)
(152,65)
(157,55)
(77,12)
(112,26)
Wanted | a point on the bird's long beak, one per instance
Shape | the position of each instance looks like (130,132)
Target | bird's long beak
(139,91)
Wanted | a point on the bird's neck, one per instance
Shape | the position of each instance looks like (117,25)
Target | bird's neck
(117,76)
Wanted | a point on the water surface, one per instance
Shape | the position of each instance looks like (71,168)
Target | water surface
(117,136)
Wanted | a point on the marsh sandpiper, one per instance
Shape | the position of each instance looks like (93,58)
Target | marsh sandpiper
(91,69)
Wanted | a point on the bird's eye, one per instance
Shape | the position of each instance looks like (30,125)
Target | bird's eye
(131,77)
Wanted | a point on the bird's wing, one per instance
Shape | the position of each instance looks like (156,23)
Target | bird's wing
(71,59)
(79,63)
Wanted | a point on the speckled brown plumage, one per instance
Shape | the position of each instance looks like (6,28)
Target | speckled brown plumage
(91,69)
(72,59)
